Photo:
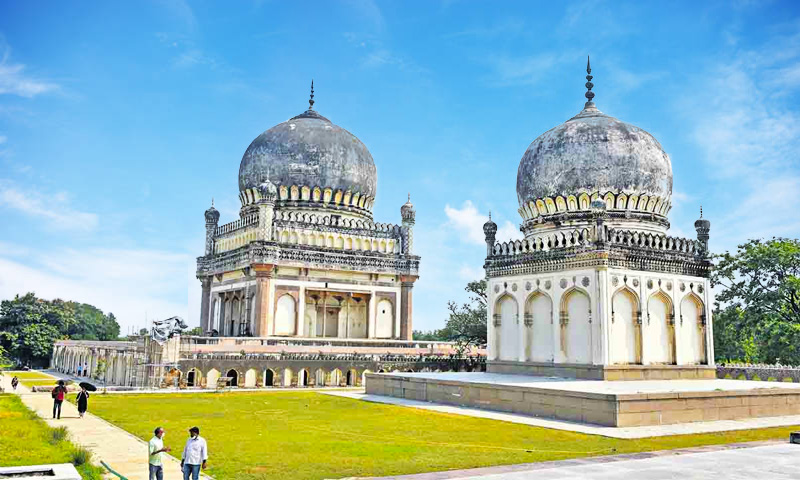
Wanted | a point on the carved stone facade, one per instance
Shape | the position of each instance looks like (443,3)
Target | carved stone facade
(594,195)
(305,258)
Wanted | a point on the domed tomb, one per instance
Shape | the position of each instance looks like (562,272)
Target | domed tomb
(313,163)
(593,156)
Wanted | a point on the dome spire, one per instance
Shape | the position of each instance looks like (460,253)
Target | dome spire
(311,100)
(589,93)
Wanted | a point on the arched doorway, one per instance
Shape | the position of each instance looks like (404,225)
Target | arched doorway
(506,326)
(191,378)
(319,377)
(287,377)
(269,378)
(351,378)
(539,328)
(576,334)
(302,378)
(660,331)
(336,377)
(626,332)
(233,378)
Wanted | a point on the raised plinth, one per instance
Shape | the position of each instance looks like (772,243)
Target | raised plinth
(604,372)
(601,402)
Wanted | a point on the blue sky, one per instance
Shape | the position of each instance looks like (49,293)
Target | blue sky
(120,120)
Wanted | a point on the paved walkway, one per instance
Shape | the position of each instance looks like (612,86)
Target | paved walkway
(124,452)
(747,461)
(613,432)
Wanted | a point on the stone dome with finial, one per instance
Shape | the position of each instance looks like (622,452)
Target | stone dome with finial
(313,164)
(407,211)
(593,156)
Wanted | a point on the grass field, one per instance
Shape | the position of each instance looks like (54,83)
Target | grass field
(25,439)
(31,378)
(298,435)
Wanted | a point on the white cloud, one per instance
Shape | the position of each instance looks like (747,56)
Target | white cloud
(131,283)
(467,221)
(55,208)
(14,80)
(469,224)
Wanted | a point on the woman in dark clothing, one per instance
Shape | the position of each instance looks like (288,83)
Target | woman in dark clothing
(83,401)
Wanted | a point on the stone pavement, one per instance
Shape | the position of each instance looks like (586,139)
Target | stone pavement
(747,461)
(590,429)
(122,451)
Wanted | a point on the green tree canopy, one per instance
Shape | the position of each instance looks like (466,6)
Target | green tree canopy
(29,326)
(757,317)
(467,322)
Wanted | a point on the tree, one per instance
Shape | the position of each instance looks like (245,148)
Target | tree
(197,331)
(430,336)
(467,323)
(758,314)
(29,326)
(92,324)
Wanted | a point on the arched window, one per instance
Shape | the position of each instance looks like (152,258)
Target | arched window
(285,315)
(384,319)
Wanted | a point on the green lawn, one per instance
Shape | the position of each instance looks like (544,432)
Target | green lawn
(32,378)
(298,435)
(25,439)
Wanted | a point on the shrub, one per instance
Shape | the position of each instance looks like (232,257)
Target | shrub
(81,456)
(58,435)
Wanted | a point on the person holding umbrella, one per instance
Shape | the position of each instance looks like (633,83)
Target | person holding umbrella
(83,400)
(14,382)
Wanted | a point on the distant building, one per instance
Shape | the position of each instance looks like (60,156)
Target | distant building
(305,258)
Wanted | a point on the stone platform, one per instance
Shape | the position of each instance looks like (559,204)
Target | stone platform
(600,402)
(604,372)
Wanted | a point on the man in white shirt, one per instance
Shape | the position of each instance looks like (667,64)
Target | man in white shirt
(195,455)
(156,449)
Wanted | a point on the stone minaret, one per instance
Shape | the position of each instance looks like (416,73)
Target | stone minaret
(266,210)
(490,230)
(212,219)
(703,226)
(408,213)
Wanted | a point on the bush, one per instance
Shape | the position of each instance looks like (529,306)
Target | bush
(80,456)
(58,435)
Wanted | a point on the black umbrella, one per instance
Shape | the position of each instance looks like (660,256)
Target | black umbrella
(88,386)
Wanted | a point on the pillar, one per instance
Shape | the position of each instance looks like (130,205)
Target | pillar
(371,316)
(406,310)
(264,286)
(205,302)
(301,312)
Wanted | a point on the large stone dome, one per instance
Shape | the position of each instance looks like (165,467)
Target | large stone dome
(594,161)
(595,154)
(311,161)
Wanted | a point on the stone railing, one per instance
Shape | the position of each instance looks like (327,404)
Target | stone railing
(650,241)
(384,230)
(763,372)
(243,222)
(589,236)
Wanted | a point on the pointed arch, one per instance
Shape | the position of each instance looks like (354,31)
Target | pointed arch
(539,327)
(576,326)
(693,330)
(659,332)
(506,328)
(626,328)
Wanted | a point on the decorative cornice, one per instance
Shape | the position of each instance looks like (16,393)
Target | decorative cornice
(309,257)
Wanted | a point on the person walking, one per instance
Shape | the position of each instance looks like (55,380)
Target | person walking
(83,401)
(14,382)
(58,394)
(195,455)
(156,448)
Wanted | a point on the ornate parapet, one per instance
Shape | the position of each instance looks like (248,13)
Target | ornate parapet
(309,257)
(597,246)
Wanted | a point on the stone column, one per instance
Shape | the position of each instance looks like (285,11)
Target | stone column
(205,301)
(301,312)
(264,286)
(406,310)
(371,315)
